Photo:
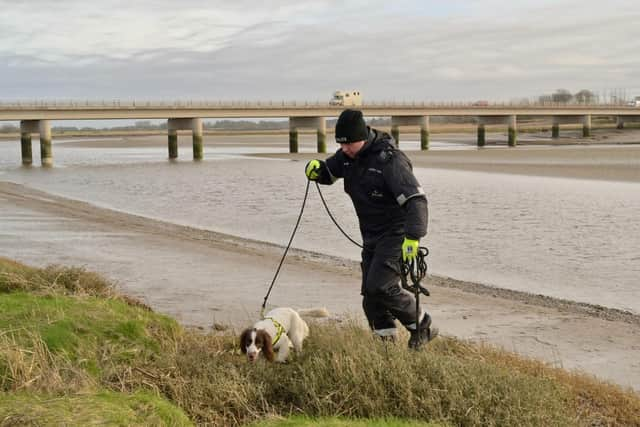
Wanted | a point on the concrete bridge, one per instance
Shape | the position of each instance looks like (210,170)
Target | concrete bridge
(35,118)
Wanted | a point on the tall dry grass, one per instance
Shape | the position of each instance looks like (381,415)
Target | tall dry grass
(343,371)
(54,279)
(59,280)
(33,367)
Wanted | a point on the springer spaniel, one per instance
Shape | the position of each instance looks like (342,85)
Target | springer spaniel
(280,329)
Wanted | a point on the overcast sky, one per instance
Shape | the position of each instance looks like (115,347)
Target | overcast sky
(304,50)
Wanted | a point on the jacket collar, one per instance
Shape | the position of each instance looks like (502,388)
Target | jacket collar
(377,141)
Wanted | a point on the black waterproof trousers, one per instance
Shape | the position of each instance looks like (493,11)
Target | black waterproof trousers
(383,298)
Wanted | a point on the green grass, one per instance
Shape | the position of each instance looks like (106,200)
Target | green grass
(90,331)
(102,408)
(66,335)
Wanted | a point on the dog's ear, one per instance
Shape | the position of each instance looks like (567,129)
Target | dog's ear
(244,338)
(267,345)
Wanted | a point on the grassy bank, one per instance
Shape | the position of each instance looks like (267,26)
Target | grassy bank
(92,408)
(75,352)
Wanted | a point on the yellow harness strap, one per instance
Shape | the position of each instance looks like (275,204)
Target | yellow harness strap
(279,328)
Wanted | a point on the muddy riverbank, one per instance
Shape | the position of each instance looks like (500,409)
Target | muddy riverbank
(203,277)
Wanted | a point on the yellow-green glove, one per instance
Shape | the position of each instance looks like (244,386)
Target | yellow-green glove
(410,249)
(312,170)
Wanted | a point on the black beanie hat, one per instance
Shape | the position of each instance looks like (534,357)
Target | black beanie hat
(351,127)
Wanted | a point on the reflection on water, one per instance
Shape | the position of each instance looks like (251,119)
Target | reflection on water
(562,237)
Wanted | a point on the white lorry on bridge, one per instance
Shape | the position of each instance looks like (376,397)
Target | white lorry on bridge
(346,98)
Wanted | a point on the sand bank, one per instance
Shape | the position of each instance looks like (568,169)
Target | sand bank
(605,162)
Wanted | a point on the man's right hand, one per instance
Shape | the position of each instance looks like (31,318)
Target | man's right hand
(312,170)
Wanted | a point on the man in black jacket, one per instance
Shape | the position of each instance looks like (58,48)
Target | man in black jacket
(392,211)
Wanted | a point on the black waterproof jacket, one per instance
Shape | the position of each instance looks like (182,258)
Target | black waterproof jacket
(386,195)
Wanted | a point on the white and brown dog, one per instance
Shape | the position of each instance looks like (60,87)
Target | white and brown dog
(280,329)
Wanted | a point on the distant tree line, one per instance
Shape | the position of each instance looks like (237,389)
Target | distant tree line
(247,125)
(238,125)
(563,96)
(148,125)
(9,128)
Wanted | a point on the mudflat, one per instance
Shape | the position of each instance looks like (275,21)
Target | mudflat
(205,278)
(609,155)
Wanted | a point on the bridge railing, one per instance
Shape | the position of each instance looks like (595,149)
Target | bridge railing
(226,104)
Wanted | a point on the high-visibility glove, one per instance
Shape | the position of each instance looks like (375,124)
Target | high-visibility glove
(410,249)
(312,170)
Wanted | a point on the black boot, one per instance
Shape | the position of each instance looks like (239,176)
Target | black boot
(427,333)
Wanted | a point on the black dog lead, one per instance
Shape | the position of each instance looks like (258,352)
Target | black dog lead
(416,269)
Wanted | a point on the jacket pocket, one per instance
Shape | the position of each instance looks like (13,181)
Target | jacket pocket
(394,264)
(374,187)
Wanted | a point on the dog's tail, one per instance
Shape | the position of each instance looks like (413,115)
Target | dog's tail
(314,312)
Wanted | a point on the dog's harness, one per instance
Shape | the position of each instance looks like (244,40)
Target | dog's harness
(279,329)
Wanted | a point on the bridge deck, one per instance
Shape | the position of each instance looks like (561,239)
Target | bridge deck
(147,110)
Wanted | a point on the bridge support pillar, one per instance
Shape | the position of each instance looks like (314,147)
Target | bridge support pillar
(25,142)
(25,148)
(481,134)
(46,153)
(395,133)
(192,124)
(586,126)
(293,139)
(566,120)
(424,133)
(42,127)
(420,121)
(512,131)
(196,128)
(322,135)
(555,128)
(313,122)
(619,122)
(173,144)
(512,128)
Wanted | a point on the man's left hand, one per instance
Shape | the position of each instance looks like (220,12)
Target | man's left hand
(410,249)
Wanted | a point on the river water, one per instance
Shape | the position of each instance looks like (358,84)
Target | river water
(567,238)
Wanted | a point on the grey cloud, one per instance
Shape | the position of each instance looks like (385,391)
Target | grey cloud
(423,58)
